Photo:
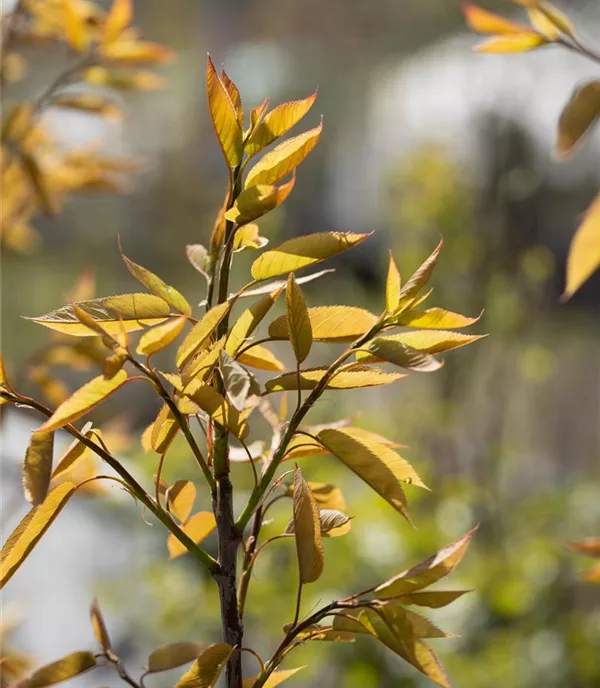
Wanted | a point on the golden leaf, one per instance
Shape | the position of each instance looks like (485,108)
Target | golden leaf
(220,410)
(76,30)
(347,377)
(37,467)
(578,117)
(433,599)
(206,670)
(248,236)
(274,680)
(234,95)
(173,655)
(180,498)
(260,357)
(67,667)
(393,350)
(258,201)
(330,324)
(249,320)
(307,530)
(197,528)
(516,43)
(421,276)
(117,20)
(392,286)
(164,430)
(224,117)
(161,336)
(298,322)
(485,22)
(333,523)
(200,333)
(427,341)
(584,253)
(99,627)
(136,52)
(434,319)
(550,21)
(201,366)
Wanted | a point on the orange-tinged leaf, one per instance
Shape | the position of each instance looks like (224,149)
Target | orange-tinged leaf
(298,322)
(578,117)
(67,667)
(118,19)
(128,311)
(347,377)
(234,95)
(258,201)
(427,572)
(482,21)
(180,498)
(593,575)
(84,400)
(274,680)
(224,117)
(220,410)
(330,324)
(283,159)
(590,546)
(76,30)
(99,627)
(392,286)
(249,320)
(260,357)
(278,122)
(515,43)
(198,527)
(200,333)
(30,530)
(307,530)
(584,253)
(173,655)
(434,319)
(161,336)
(37,467)
(302,252)
(206,670)
(164,430)
(393,350)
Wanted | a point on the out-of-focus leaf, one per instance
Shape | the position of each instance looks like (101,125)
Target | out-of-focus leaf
(117,20)
(92,103)
(199,527)
(37,467)
(136,52)
(180,497)
(550,21)
(283,159)
(61,670)
(159,337)
(206,670)
(578,117)
(516,43)
(113,364)
(589,546)
(99,627)
(84,400)
(220,410)
(330,324)
(200,333)
(485,22)
(164,430)
(76,30)
(395,351)
(392,286)
(260,357)
(584,253)
(434,319)
(258,201)
(274,680)
(224,117)
(297,320)
(307,530)
(348,377)
(249,320)
(173,655)
(39,184)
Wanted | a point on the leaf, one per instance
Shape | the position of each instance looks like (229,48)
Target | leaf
(199,258)
(206,670)
(578,117)
(99,627)
(278,122)
(246,237)
(590,546)
(326,496)
(434,319)
(173,655)
(224,117)
(262,358)
(135,52)
(37,467)
(550,21)
(164,430)
(427,572)
(394,351)
(433,599)
(201,366)
(67,667)
(298,322)
(428,341)
(130,311)
(113,364)
(199,527)
(39,184)
(584,253)
(330,324)
(200,333)
(258,201)
(421,276)
(301,252)
(180,498)
(159,288)
(517,43)
(4,383)
(271,286)
(307,529)
(392,286)
(73,454)
(220,410)
(159,337)
(76,30)
(274,680)
(234,95)
(84,400)
(333,523)
(249,320)
(347,377)
(318,632)
(236,381)
(29,531)
(482,21)
(379,466)
(117,20)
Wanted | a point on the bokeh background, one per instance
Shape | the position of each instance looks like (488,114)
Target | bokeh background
(422,138)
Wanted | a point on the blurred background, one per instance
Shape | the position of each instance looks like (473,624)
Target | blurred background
(422,138)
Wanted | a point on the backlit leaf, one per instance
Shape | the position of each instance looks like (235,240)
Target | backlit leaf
(326,496)
(164,430)
(578,117)
(392,286)
(274,680)
(99,627)
(433,341)
(258,201)
(180,498)
(516,43)
(224,117)
(29,531)
(433,598)
(206,670)
(318,632)
(556,22)
(75,451)
(584,252)
(113,364)
(283,159)
(330,324)
(348,377)
(307,529)
(485,22)
(427,572)
(159,337)
(260,357)
(246,237)
(220,410)
(200,367)
(136,52)
(334,523)
(76,30)
(298,322)
(129,311)
(434,319)
(301,252)
(278,122)
(249,320)
(234,95)
(67,667)
(37,467)
(200,333)
(421,276)
(117,20)
(173,655)
(199,527)
(394,351)
(84,400)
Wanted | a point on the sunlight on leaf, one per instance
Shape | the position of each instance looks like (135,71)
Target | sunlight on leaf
(307,530)
(348,377)
(330,324)
(37,467)
(206,670)
(584,252)
(197,528)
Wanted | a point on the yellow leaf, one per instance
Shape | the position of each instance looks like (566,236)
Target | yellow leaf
(248,236)
(584,253)
(393,350)
(200,333)
(433,599)
(224,117)
(258,201)
(260,357)
(392,286)
(180,498)
(302,252)
(378,465)
(128,311)
(157,286)
(220,410)
(207,668)
(516,43)
(257,114)
(434,319)
(61,670)
(542,23)
(307,530)
(234,95)
(76,30)
(29,531)
(37,467)
(84,400)
(283,159)
(482,21)
(348,377)
(558,20)
(99,627)
(199,368)
(173,655)
(427,572)
(330,324)
(578,117)
(113,364)
(199,527)
(333,523)
(164,430)
(4,383)
(274,680)
(298,322)
(326,496)
(75,451)
(249,320)
(421,276)
(117,20)
(136,52)
(91,103)
(427,341)
(161,336)
(277,122)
